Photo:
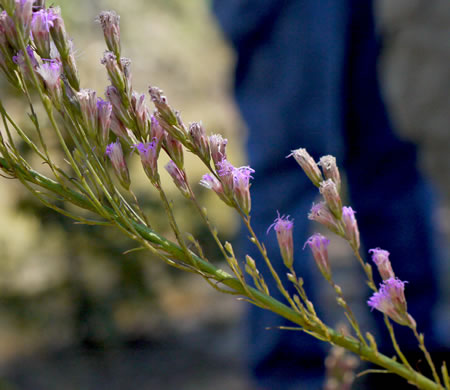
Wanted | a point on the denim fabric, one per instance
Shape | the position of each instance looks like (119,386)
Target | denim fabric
(306,77)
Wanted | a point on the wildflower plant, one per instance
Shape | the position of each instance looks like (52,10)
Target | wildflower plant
(100,136)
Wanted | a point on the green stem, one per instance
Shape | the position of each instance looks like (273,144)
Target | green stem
(226,279)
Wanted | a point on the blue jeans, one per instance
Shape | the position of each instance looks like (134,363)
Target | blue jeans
(306,77)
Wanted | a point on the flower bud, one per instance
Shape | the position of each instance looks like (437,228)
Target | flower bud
(115,154)
(119,109)
(308,165)
(20,60)
(23,14)
(330,170)
(111,30)
(350,226)
(381,258)
(88,106)
(166,114)
(283,227)
(70,69)
(8,29)
(40,29)
(322,214)
(114,70)
(50,73)
(104,110)
(241,187)
(199,140)
(117,127)
(390,300)
(141,114)
(218,148)
(156,130)
(212,183)
(174,149)
(178,177)
(149,152)
(59,35)
(329,192)
(319,248)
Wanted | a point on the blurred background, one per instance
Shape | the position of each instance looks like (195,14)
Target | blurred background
(77,313)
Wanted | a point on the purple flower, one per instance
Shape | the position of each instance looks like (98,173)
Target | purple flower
(322,214)
(40,29)
(241,187)
(390,300)
(156,130)
(149,152)
(319,247)
(225,171)
(350,226)
(50,71)
(115,154)
(210,182)
(178,178)
(283,227)
(381,258)
(20,60)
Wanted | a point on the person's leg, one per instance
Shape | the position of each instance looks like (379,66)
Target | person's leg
(394,203)
(288,87)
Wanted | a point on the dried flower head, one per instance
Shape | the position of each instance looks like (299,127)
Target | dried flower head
(111,30)
(308,165)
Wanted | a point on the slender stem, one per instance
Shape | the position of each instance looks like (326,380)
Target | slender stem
(422,346)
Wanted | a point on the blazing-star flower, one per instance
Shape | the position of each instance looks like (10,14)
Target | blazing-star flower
(174,149)
(24,14)
(283,227)
(115,73)
(149,152)
(141,114)
(329,192)
(59,35)
(218,148)
(104,110)
(88,106)
(117,127)
(40,29)
(350,226)
(111,30)
(178,177)
(381,258)
(115,154)
(308,165)
(50,72)
(390,300)
(319,248)
(166,115)
(322,214)
(156,129)
(113,96)
(20,60)
(241,187)
(225,171)
(210,182)
(200,140)
(330,170)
